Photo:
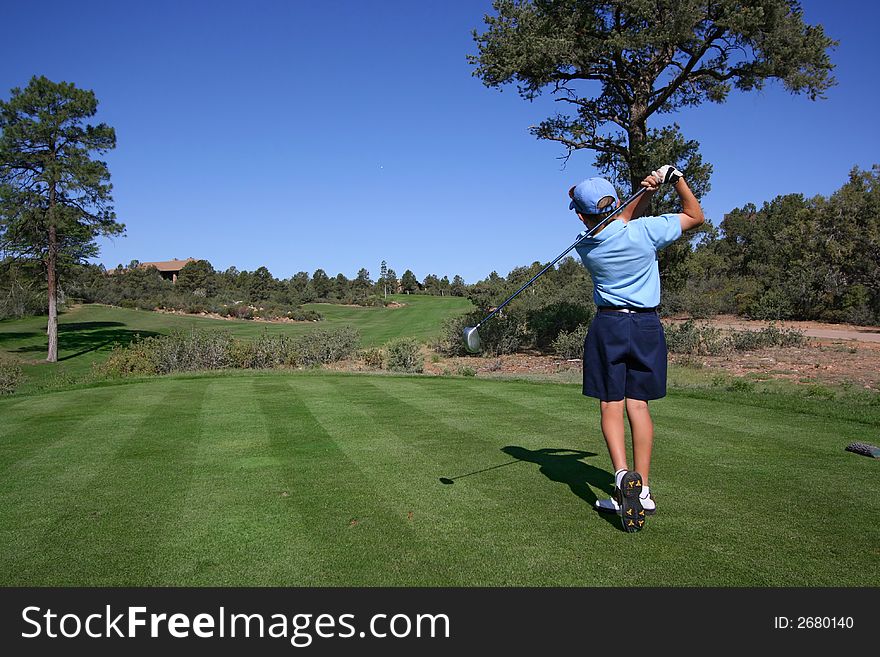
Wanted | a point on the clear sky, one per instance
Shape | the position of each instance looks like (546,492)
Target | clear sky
(300,135)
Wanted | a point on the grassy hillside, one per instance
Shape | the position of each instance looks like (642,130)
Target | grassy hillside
(327,479)
(87,333)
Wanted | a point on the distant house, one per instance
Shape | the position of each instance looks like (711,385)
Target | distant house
(169,269)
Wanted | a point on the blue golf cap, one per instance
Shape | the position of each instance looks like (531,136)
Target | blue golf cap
(586,196)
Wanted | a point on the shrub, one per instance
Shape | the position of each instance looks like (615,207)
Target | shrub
(700,339)
(192,351)
(772,304)
(785,337)
(326,346)
(692,338)
(374,358)
(503,334)
(371,301)
(265,351)
(770,336)
(570,344)
(546,323)
(404,355)
(214,350)
(137,357)
(464,370)
(741,385)
(10,377)
(240,311)
(301,315)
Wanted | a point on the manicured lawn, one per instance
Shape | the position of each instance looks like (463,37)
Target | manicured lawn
(331,479)
(87,333)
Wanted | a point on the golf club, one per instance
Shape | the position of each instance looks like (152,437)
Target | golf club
(451,480)
(472,337)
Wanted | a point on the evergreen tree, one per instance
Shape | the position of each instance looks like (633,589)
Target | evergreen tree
(617,64)
(409,282)
(54,196)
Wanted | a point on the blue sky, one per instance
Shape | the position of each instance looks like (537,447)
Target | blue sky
(300,135)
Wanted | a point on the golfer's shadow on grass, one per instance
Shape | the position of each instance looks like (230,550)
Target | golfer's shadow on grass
(567,467)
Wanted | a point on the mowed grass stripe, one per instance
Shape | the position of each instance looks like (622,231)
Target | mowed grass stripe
(718,460)
(538,491)
(565,403)
(389,459)
(377,445)
(236,527)
(38,422)
(542,441)
(115,478)
(462,404)
(359,540)
(699,508)
(770,465)
(494,487)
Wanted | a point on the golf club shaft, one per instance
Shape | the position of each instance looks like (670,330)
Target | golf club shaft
(589,233)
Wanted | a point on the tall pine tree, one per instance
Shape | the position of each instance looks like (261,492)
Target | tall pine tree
(54,196)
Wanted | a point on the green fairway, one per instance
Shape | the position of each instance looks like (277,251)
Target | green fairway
(87,333)
(331,479)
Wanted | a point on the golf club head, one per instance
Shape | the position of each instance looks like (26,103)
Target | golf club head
(472,339)
(446,480)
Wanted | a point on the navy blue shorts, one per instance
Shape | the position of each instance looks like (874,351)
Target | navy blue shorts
(625,356)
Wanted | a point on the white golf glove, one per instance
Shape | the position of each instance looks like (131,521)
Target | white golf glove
(668,174)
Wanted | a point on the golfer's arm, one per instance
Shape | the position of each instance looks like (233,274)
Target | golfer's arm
(691,214)
(639,208)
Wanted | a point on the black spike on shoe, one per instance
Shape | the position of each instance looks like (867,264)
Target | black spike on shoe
(632,514)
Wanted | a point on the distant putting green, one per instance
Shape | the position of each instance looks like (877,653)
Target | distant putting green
(87,333)
(331,479)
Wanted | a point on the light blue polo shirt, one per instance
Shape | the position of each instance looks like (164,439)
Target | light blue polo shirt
(622,259)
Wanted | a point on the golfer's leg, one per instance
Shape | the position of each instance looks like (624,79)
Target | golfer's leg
(642,428)
(612,429)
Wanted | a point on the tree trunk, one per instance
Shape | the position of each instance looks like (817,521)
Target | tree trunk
(52,357)
(638,135)
(52,279)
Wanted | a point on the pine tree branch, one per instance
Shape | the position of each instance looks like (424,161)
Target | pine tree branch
(666,92)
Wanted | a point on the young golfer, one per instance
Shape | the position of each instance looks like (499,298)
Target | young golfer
(625,349)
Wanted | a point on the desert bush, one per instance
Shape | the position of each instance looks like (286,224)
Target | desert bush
(774,303)
(570,344)
(692,338)
(702,339)
(547,322)
(785,337)
(372,301)
(741,385)
(404,355)
(10,377)
(301,315)
(137,357)
(240,311)
(326,346)
(374,358)
(770,336)
(217,350)
(191,351)
(265,351)
(503,334)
